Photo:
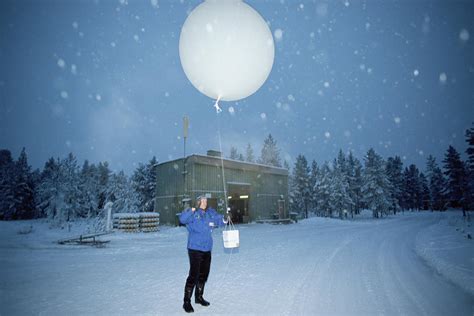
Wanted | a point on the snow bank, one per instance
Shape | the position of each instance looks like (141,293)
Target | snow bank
(446,248)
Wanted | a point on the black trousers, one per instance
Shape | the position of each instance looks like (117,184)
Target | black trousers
(199,266)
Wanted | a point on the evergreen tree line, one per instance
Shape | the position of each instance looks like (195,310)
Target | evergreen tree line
(63,190)
(346,186)
(269,155)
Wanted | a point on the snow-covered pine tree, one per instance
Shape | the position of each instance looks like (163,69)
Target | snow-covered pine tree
(7,197)
(470,163)
(455,173)
(151,184)
(70,188)
(394,167)
(234,153)
(323,190)
(58,194)
(89,188)
(354,173)
(430,169)
(340,177)
(376,184)
(466,200)
(339,198)
(49,192)
(144,183)
(313,178)
(301,190)
(122,194)
(249,155)
(436,184)
(412,189)
(139,184)
(104,174)
(270,154)
(23,189)
(425,192)
(437,189)
(340,162)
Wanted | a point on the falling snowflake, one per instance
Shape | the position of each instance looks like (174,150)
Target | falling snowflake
(327,134)
(61,63)
(278,34)
(263,116)
(154,4)
(64,94)
(231,110)
(464,35)
(397,120)
(416,72)
(291,98)
(443,78)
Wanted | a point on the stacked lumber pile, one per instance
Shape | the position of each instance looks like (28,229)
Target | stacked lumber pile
(137,222)
(149,221)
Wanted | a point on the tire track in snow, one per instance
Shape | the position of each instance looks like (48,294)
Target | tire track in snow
(311,281)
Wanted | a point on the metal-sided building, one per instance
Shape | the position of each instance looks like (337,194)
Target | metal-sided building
(254,191)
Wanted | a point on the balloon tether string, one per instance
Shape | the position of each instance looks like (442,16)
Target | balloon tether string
(219,110)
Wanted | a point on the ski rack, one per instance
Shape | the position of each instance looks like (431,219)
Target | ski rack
(86,239)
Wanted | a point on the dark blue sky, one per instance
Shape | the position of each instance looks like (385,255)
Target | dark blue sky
(103,79)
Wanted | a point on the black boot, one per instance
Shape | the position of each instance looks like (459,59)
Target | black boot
(188,293)
(198,299)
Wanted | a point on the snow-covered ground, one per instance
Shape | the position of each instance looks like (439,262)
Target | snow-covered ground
(411,263)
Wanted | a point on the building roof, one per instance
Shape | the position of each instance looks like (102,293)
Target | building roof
(231,164)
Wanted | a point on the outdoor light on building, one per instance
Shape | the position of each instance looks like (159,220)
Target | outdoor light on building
(244,196)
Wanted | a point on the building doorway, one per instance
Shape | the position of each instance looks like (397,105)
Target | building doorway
(239,210)
(238,201)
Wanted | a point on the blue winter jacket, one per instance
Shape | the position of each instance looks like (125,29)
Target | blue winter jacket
(200,224)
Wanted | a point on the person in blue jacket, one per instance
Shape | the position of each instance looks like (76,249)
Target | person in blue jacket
(199,221)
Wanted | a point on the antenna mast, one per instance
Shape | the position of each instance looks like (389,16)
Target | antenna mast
(185,136)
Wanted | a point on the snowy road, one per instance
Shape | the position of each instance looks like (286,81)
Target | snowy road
(316,267)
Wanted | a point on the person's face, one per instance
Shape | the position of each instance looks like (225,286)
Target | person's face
(203,203)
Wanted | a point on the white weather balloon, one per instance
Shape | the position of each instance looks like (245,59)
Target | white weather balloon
(226,49)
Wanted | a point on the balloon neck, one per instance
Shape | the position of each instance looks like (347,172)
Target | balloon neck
(216,106)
